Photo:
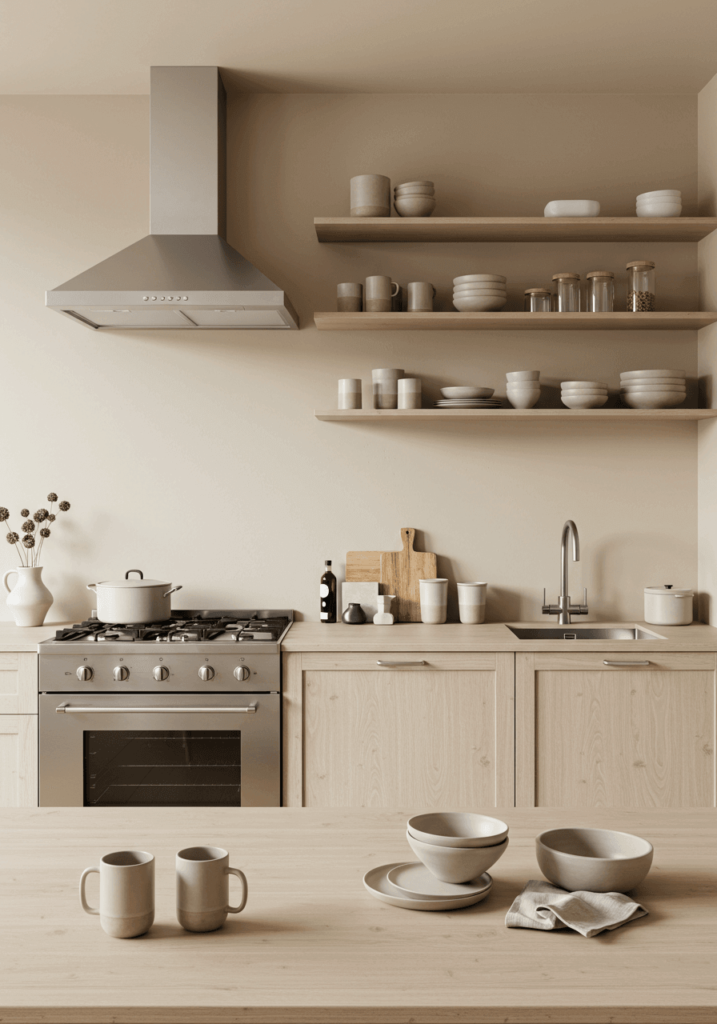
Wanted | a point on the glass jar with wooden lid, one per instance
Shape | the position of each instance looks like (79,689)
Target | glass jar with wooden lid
(566,298)
(537,300)
(600,292)
(641,287)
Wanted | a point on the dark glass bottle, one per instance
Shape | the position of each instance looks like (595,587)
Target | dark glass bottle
(327,591)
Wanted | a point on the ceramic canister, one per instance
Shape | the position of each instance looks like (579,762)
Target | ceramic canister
(370,195)
(434,600)
(350,393)
(668,606)
(471,602)
(385,388)
(409,393)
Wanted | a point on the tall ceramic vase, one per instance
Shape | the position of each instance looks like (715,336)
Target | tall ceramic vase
(29,599)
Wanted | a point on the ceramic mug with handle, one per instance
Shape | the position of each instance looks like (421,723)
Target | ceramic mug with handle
(126,893)
(379,291)
(203,888)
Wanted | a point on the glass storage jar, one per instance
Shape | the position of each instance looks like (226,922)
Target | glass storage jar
(641,287)
(537,300)
(600,295)
(567,293)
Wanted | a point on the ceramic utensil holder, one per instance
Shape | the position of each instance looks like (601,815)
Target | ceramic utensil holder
(126,893)
(349,297)
(203,888)
(370,196)
(349,393)
(471,602)
(409,393)
(434,600)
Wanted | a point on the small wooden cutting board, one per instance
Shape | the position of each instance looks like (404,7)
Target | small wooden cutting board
(363,566)
(400,573)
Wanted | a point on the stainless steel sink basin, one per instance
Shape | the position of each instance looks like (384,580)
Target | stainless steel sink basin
(584,633)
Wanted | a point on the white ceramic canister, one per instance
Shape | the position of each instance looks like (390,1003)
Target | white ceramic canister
(471,602)
(668,606)
(434,600)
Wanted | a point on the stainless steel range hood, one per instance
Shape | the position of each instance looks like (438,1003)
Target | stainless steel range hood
(184,274)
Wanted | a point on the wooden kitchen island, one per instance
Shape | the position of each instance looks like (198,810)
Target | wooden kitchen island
(313,945)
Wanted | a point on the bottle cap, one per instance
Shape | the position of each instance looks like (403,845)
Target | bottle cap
(327,562)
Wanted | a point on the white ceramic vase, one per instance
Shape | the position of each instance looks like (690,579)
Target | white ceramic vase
(29,599)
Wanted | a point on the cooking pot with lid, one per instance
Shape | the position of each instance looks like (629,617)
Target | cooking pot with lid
(133,600)
(668,606)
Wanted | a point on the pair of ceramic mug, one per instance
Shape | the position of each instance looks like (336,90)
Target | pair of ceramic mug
(127,890)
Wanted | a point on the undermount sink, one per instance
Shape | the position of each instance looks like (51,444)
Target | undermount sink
(584,633)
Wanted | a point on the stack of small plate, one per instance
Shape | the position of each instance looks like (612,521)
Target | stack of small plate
(653,389)
(412,886)
(583,394)
(468,398)
(479,293)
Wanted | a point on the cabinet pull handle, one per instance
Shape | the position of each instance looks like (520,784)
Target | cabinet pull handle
(399,664)
(627,662)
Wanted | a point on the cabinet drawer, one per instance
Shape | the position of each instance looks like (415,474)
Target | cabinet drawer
(625,661)
(398,661)
(18,683)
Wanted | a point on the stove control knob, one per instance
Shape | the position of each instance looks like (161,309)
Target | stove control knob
(120,673)
(160,672)
(241,673)
(84,672)
(206,672)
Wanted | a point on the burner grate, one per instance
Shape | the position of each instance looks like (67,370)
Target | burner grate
(187,628)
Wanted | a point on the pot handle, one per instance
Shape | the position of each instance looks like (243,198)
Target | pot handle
(172,591)
(141,574)
(4,579)
(92,586)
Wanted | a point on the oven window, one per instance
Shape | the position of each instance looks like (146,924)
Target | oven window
(162,768)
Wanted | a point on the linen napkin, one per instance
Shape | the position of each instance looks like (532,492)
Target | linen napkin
(544,906)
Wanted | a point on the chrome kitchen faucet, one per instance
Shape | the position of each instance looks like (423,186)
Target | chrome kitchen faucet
(564,609)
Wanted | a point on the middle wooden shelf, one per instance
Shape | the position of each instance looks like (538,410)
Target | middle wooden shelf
(451,321)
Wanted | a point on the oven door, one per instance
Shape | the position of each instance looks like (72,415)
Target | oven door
(160,750)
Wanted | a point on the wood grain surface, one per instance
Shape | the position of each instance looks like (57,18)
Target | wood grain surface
(507,415)
(400,573)
(363,566)
(18,761)
(515,321)
(314,946)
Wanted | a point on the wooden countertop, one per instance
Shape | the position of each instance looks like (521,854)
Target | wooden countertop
(26,638)
(313,945)
(492,636)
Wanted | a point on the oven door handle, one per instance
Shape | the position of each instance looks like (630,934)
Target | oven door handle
(68,709)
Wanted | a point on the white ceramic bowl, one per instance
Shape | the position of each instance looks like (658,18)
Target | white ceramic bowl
(583,384)
(461,829)
(406,184)
(523,385)
(476,304)
(473,289)
(631,374)
(647,204)
(659,210)
(479,279)
(631,388)
(653,399)
(674,192)
(583,392)
(593,859)
(451,864)
(414,206)
(524,399)
(652,381)
(414,190)
(522,375)
(583,401)
(467,392)
(572,208)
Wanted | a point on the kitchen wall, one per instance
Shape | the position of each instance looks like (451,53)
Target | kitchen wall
(196,456)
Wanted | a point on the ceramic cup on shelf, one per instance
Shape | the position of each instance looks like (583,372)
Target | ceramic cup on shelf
(409,393)
(420,297)
(370,195)
(203,888)
(471,602)
(379,293)
(126,893)
(385,388)
(350,393)
(349,297)
(434,600)
(29,599)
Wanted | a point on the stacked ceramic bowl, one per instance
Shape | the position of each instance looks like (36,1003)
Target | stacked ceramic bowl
(468,398)
(523,388)
(414,199)
(479,293)
(457,847)
(583,394)
(667,203)
(653,389)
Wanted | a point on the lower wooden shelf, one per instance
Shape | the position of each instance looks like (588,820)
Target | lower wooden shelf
(512,415)
(689,321)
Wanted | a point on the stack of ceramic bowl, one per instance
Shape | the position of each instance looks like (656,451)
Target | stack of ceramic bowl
(667,203)
(414,199)
(479,293)
(653,389)
(523,388)
(455,846)
(468,398)
(583,394)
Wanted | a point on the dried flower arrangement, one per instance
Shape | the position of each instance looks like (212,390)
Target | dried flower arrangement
(30,556)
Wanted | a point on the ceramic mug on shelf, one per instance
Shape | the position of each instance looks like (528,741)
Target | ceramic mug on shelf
(379,293)
(471,602)
(126,893)
(349,297)
(420,297)
(203,888)
(434,600)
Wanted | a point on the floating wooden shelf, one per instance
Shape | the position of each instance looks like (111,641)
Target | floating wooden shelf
(513,321)
(512,415)
(513,229)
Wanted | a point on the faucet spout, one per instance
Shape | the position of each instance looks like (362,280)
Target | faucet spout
(565,608)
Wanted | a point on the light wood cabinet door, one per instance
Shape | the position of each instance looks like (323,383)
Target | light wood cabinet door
(591,734)
(18,683)
(432,735)
(18,761)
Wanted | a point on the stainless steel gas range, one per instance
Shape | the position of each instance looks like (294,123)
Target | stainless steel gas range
(183,713)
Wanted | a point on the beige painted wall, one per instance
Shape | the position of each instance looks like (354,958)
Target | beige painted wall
(196,456)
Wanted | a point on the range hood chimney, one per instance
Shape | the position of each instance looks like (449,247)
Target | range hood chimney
(184,274)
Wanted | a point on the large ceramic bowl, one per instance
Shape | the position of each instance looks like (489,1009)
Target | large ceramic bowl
(414,206)
(578,401)
(457,829)
(479,279)
(454,865)
(653,399)
(479,304)
(631,374)
(516,376)
(467,392)
(593,859)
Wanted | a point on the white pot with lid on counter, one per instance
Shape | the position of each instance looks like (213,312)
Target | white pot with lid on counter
(668,606)
(133,600)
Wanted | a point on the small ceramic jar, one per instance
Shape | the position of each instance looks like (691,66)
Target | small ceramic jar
(668,606)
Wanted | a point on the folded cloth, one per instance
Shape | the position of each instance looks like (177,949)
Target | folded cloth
(544,906)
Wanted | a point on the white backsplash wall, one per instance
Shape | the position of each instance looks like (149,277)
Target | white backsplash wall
(196,457)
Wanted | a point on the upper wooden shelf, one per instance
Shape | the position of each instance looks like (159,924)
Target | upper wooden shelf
(508,415)
(513,229)
(514,321)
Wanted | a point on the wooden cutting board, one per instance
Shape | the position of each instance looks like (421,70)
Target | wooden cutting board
(400,573)
(363,566)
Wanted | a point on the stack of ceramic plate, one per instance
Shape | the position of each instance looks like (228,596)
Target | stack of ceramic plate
(479,293)
(413,887)
(468,398)
(583,394)
(653,389)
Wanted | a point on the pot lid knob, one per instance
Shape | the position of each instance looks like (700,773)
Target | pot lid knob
(141,574)
(669,586)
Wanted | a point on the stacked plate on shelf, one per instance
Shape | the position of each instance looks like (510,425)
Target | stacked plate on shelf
(479,293)
(468,398)
(653,389)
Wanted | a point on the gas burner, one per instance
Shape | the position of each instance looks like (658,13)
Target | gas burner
(183,627)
